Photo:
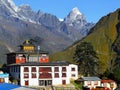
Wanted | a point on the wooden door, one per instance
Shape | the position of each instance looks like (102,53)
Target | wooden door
(26,83)
(63,82)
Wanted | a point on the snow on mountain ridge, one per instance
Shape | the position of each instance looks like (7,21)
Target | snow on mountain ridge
(13,5)
(75,14)
(60,19)
(8,4)
(76,11)
(25,7)
(75,18)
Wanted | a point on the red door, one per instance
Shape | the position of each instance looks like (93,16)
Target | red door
(63,82)
(26,83)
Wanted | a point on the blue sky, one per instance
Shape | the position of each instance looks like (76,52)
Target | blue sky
(92,9)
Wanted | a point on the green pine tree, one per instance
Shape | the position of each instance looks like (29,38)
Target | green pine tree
(86,58)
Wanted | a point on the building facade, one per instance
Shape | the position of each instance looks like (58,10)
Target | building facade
(44,74)
(107,83)
(31,67)
(91,82)
(4,77)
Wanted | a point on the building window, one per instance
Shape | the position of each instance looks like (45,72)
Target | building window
(56,69)
(33,69)
(26,75)
(14,68)
(33,59)
(89,82)
(63,69)
(33,75)
(63,74)
(49,82)
(56,75)
(45,75)
(41,82)
(26,69)
(73,75)
(95,82)
(72,69)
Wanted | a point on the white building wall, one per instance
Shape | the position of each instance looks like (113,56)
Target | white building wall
(32,81)
(58,81)
(67,75)
(55,81)
(6,79)
(92,84)
(21,76)
(73,72)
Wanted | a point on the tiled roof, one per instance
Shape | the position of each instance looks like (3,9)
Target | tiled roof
(4,75)
(107,81)
(34,52)
(42,64)
(91,79)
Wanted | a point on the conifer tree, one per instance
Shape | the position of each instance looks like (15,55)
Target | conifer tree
(86,58)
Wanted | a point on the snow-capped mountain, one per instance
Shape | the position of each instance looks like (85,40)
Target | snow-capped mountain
(18,23)
(75,18)
(7,7)
(26,13)
(79,24)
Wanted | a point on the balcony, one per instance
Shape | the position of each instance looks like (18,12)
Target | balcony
(45,75)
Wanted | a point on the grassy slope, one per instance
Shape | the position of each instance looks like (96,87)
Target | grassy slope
(102,37)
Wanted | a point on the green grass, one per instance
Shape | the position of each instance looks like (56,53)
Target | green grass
(78,86)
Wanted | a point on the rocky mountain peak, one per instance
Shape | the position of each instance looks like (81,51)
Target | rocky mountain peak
(76,11)
(74,14)
(40,13)
(12,4)
(75,18)
(25,7)
(9,4)
(8,9)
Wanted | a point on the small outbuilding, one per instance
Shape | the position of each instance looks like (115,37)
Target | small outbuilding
(91,82)
(4,77)
(111,84)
